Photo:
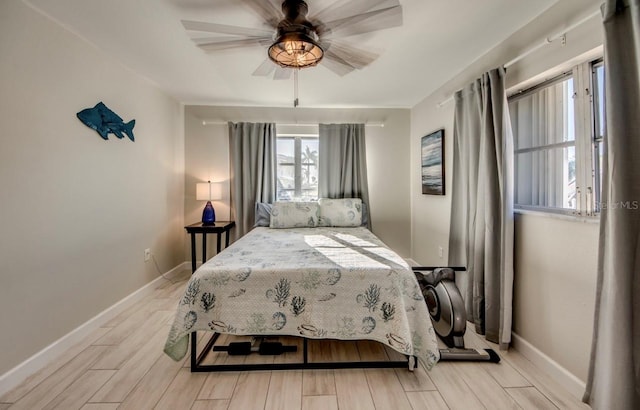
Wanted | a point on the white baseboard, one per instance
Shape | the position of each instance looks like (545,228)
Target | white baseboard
(15,376)
(564,377)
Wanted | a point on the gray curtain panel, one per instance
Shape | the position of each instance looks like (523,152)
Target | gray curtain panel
(342,170)
(614,374)
(481,232)
(252,149)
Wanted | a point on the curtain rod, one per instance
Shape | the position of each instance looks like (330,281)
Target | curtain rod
(561,35)
(367,124)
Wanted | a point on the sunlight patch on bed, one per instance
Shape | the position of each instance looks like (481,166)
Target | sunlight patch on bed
(379,251)
(350,259)
(318,241)
(389,255)
(354,240)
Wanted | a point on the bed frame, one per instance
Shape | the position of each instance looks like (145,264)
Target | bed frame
(198,367)
(410,362)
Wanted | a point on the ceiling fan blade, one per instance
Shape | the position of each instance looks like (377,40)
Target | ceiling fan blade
(336,64)
(265,69)
(353,56)
(282,73)
(269,10)
(225,43)
(225,29)
(341,8)
(363,23)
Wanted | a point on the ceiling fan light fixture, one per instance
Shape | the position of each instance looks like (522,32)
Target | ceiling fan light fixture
(295,50)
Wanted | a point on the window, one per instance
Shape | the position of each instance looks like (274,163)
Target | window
(558,134)
(297,167)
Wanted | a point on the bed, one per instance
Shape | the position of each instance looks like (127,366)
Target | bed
(318,283)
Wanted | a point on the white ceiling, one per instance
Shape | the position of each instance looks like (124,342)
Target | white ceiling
(438,39)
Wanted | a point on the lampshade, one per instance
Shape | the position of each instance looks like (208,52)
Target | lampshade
(295,50)
(208,191)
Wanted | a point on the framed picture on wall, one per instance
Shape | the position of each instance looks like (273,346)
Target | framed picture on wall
(432,149)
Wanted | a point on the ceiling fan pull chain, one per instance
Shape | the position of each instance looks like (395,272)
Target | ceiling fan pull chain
(295,88)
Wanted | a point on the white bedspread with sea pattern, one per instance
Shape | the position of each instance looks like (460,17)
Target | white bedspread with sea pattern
(321,283)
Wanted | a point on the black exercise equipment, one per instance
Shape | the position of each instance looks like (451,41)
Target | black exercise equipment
(448,314)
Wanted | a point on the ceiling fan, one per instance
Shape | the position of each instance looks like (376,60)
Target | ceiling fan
(294,41)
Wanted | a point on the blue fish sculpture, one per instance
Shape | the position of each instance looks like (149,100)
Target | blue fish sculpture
(105,121)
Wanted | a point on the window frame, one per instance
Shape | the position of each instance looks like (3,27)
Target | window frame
(598,140)
(586,124)
(547,147)
(298,164)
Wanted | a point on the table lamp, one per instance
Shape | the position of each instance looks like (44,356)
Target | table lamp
(208,191)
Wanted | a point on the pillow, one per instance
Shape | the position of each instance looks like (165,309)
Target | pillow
(340,212)
(294,215)
(263,214)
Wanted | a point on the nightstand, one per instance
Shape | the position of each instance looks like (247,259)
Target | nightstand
(219,227)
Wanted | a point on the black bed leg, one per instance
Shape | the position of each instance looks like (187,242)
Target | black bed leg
(194,353)
(305,351)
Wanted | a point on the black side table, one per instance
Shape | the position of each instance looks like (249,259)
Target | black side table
(218,228)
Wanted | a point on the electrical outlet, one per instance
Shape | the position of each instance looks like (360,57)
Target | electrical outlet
(440,251)
(147,254)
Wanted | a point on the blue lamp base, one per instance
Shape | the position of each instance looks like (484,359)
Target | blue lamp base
(208,214)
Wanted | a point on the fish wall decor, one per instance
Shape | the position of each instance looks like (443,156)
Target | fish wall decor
(105,121)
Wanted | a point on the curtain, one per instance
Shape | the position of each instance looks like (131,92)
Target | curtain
(614,373)
(252,149)
(481,232)
(342,166)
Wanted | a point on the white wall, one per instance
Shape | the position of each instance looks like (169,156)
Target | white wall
(555,259)
(555,287)
(206,159)
(430,213)
(387,152)
(77,212)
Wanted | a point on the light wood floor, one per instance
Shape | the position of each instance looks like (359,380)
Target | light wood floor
(122,366)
